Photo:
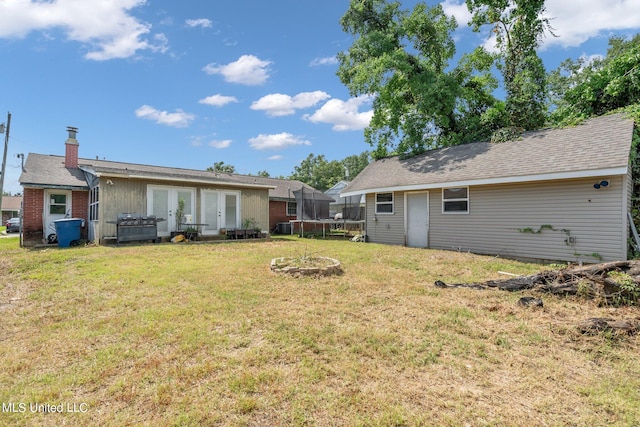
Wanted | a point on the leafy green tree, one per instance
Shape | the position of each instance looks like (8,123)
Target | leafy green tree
(402,58)
(322,174)
(221,167)
(584,90)
(354,164)
(317,172)
(264,174)
(519,26)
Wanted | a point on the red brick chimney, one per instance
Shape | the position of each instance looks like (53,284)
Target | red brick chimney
(71,149)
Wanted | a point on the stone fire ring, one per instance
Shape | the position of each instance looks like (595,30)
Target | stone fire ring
(323,267)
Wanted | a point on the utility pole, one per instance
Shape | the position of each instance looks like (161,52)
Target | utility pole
(4,157)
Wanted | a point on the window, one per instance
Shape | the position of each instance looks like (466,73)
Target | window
(94,200)
(384,203)
(455,200)
(58,204)
(292,208)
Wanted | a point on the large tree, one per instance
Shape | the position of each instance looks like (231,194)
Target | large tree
(585,89)
(221,167)
(323,174)
(519,27)
(402,59)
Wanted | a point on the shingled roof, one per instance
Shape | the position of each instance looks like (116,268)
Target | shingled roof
(597,147)
(49,171)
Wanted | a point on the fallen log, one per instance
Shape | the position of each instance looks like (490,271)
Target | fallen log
(599,324)
(611,283)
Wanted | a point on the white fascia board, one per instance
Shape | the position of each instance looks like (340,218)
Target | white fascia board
(490,181)
(186,180)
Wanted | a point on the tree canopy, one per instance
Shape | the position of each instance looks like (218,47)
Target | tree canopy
(584,89)
(322,174)
(519,27)
(421,101)
(402,58)
(221,167)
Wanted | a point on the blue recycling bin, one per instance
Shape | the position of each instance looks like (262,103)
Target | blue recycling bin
(68,231)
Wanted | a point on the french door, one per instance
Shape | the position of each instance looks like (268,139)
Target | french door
(220,209)
(163,202)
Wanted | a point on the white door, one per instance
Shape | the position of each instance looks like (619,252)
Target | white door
(163,203)
(57,205)
(220,209)
(417,208)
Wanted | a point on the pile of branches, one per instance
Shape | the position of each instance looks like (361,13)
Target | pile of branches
(613,283)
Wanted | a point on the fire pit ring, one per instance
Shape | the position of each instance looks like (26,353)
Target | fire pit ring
(306,266)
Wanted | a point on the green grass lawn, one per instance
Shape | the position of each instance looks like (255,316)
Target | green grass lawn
(205,334)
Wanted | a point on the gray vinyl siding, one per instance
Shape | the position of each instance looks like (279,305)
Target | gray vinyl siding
(386,228)
(500,214)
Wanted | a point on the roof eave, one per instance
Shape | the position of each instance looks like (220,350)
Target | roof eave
(185,180)
(489,181)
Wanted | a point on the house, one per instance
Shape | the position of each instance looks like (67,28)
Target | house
(283,206)
(11,207)
(351,207)
(557,194)
(98,190)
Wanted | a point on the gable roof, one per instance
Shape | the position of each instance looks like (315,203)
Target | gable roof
(599,146)
(11,203)
(48,171)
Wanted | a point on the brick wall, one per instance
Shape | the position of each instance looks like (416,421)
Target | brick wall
(278,213)
(32,209)
(80,209)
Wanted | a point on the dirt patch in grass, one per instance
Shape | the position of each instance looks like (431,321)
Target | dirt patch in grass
(207,335)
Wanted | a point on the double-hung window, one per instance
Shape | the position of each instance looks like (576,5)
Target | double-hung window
(455,200)
(384,203)
(292,208)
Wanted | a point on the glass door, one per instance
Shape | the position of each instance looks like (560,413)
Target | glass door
(163,203)
(220,209)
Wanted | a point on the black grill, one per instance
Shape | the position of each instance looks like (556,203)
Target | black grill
(133,227)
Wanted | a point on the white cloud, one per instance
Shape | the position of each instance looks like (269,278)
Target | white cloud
(179,119)
(276,141)
(247,70)
(343,115)
(218,100)
(202,22)
(574,22)
(577,21)
(331,60)
(106,27)
(220,143)
(458,10)
(276,157)
(278,104)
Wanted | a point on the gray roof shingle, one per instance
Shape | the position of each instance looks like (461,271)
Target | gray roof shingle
(597,144)
(49,170)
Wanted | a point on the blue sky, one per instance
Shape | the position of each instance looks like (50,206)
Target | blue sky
(191,83)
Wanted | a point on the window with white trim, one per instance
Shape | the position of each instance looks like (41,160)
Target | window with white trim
(384,203)
(455,200)
(292,208)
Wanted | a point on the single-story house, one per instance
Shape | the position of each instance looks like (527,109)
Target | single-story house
(283,206)
(98,190)
(11,207)
(551,195)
